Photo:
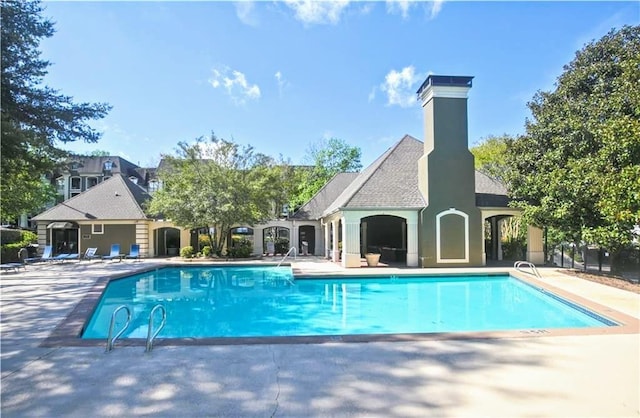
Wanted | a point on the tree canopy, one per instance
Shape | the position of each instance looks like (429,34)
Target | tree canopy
(490,156)
(218,184)
(34,117)
(577,167)
(326,159)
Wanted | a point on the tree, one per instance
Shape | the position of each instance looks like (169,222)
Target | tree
(490,156)
(34,117)
(217,184)
(577,168)
(327,158)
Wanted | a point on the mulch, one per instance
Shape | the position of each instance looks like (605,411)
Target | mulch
(606,280)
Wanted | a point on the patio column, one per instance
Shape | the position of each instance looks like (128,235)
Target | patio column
(327,239)
(499,238)
(535,247)
(412,240)
(258,244)
(335,252)
(351,242)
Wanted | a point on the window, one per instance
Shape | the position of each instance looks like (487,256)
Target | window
(92,181)
(60,185)
(108,165)
(97,228)
(75,183)
(154,185)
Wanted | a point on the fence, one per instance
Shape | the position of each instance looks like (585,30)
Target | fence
(592,258)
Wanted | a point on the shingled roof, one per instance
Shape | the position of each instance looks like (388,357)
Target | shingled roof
(324,197)
(116,198)
(391,182)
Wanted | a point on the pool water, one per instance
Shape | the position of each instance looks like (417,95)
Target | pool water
(267,301)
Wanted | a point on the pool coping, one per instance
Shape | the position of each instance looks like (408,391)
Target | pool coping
(67,332)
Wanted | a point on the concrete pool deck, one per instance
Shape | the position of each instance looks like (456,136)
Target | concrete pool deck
(532,375)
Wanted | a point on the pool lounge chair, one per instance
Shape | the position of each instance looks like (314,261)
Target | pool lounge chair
(115,253)
(62,257)
(134,252)
(12,266)
(46,256)
(69,257)
(90,254)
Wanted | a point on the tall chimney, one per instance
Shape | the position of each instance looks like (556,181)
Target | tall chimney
(451,220)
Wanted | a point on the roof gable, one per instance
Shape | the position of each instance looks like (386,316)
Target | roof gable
(314,208)
(117,198)
(391,181)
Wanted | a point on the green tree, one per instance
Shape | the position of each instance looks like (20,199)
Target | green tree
(34,117)
(326,158)
(490,156)
(577,168)
(217,184)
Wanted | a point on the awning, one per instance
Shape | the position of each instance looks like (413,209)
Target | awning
(62,225)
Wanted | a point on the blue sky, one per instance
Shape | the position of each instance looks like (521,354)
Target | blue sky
(283,75)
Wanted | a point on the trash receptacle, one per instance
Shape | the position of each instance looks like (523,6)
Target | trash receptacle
(305,248)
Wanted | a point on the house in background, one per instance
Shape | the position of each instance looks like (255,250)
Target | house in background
(85,172)
(420,204)
(112,212)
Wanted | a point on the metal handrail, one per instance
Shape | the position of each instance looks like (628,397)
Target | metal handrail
(151,337)
(529,264)
(294,249)
(111,340)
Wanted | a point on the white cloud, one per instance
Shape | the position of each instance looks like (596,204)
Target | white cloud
(400,87)
(435,7)
(236,85)
(400,6)
(282,83)
(245,12)
(403,7)
(318,11)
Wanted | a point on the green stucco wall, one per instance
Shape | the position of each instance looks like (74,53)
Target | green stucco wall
(448,182)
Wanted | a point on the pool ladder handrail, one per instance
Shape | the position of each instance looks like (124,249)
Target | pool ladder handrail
(111,339)
(518,264)
(151,337)
(295,251)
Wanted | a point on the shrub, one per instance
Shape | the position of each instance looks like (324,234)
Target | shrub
(206,251)
(186,252)
(241,249)
(281,245)
(14,242)
(204,240)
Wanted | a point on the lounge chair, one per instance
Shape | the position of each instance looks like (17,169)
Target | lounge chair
(62,257)
(46,256)
(134,252)
(12,266)
(90,254)
(115,253)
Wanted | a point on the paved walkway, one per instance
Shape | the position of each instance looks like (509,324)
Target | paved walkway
(550,376)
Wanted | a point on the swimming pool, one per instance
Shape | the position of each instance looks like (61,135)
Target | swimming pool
(210,302)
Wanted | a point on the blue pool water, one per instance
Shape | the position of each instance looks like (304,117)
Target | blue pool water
(266,301)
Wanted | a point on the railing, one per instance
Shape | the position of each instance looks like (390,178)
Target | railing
(150,336)
(518,264)
(111,339)
(295,251)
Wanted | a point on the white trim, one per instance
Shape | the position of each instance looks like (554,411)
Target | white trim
(439,216)
(94,231)
(452,92)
